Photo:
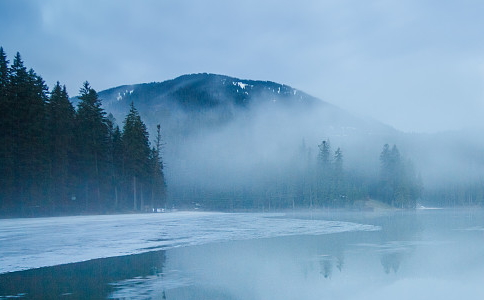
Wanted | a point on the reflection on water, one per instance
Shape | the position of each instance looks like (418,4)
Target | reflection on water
(84,280)
(416,255)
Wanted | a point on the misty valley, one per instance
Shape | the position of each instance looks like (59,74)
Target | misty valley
(213,142)
(212,187)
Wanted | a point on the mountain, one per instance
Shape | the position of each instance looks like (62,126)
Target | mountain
(188,103)
(262,114)
(221,132)
(205,91)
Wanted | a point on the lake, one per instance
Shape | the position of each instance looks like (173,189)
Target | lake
(422,254)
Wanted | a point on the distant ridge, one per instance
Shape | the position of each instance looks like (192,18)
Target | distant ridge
(196,91)
(212,99)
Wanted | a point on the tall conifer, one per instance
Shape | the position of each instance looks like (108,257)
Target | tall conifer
(6,162)
(324,173)
(117,164)
(60,124)
(93,144)
(158,184)
(136,154)
(27,95)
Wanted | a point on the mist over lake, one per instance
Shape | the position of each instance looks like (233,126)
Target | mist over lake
(423,254)
(253,150)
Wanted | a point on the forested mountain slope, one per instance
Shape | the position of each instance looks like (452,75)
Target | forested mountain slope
(226,136)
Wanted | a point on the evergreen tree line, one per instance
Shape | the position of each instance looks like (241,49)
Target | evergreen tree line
(57,159)
(313,181)
(331,185)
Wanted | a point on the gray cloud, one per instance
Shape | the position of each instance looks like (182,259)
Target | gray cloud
(416,65)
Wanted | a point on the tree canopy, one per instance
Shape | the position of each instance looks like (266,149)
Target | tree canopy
(55,159)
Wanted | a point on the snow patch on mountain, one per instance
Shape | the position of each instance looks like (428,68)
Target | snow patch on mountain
(120,96)
(241,84)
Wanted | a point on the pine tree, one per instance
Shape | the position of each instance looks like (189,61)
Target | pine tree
(4,81)
(61,126)
(324,173)
(158,184)
(26,136)
(136,154)
(338,180)
(385,189)
(116,158)
(324,155)
(399,186)
(92,145)
(17,94)
(38,137)
(6,125)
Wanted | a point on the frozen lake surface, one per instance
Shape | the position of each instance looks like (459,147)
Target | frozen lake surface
(424,254)
(33,243)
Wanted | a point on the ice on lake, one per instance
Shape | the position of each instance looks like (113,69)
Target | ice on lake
(325,255)
(33,243)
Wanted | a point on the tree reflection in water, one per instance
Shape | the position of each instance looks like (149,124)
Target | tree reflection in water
(84,280)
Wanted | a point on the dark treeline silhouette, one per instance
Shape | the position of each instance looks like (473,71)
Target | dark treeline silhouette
(56,159)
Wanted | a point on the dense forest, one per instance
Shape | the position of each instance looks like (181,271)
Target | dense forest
(57,159)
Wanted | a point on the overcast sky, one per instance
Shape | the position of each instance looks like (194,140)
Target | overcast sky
(416,65)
